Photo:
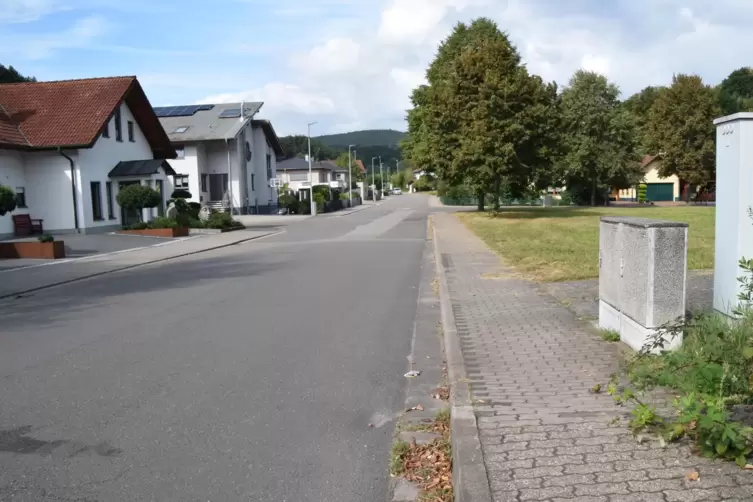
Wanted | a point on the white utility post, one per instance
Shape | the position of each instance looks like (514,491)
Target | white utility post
(381,178)
(350,177)
(311,180)
(734,228)
(373,180)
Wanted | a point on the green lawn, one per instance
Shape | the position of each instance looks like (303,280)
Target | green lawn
(562,244)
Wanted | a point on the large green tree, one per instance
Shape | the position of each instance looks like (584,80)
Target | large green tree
(501,111)
(680,127)
(482,120)
(599,136)
(735,93)
(639,105)
(355,171)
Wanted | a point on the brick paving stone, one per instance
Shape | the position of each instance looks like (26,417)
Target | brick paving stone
(531,363)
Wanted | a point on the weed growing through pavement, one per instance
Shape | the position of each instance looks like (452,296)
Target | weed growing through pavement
(609,335)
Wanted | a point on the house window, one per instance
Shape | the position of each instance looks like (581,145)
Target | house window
(269,167)
(180,130)
(160,188)
(181,151)
(252,183)
(108,196)
(106,130)
(131,138)
(181,181)
(204,182)
(96,194)
(20,197)
(323,177)
(118,126)
(299,176)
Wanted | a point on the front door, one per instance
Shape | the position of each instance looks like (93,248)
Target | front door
(217,186)
(132,216)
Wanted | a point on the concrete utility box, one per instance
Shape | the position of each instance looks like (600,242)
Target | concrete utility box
(642,271)
(734,195)
(547,201)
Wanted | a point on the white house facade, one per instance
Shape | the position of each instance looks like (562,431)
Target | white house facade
(295,173)
(225,157)
(67,147)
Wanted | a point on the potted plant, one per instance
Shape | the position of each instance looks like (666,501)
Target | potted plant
(45,247)
(140,197)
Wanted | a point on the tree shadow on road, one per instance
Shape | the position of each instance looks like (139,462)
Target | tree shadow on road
(70,301)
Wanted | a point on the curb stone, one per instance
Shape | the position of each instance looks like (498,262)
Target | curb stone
(469,476)
(427,355)
(128,267)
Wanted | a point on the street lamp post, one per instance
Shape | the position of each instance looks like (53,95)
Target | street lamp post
(397,170)
(381,177)
(350,177)
(311,180)
(373,179)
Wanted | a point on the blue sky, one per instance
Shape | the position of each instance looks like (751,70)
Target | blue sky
(350,64)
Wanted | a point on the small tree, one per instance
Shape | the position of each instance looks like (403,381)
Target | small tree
(137,198)
(7,200)
(181,193)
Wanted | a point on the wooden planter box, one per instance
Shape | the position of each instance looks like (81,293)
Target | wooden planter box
(158,232)
(32,249)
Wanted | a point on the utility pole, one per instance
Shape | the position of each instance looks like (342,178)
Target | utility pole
(350,177)
(381,177)
(373,180)
(311,180)
(397,169)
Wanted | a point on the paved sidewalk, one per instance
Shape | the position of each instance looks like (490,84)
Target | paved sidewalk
(543,435)
(23,280)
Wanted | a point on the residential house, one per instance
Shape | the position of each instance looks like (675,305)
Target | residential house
(295,172)
(225,156)
(657,188)
(66,148)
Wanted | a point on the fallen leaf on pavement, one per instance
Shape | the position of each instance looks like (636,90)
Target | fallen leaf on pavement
(693,476)
(748,467)
(418,407)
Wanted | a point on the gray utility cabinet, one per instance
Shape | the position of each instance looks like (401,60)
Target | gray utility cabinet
(642,271)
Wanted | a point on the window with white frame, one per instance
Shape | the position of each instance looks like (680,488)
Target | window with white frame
(299,176)
(181,151)
(181,181)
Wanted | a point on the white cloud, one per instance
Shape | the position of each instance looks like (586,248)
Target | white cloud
(81,34)
(361,74)
(21,11)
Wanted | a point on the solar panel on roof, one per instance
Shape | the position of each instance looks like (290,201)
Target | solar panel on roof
(180,111)
(230,113)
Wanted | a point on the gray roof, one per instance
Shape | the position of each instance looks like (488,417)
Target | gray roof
(207,124)
(140,168)
(299,164)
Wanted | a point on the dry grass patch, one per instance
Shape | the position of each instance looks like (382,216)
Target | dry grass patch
(562,244)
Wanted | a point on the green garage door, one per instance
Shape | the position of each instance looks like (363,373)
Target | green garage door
(656,192)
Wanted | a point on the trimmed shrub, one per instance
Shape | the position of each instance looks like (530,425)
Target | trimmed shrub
(138,197)
(194,208)
(163,222)
(641,191)
(181,193)
(7,200)
(222,221)
(304,207)
(46,238)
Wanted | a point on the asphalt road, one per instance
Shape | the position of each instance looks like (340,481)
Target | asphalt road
(248,373)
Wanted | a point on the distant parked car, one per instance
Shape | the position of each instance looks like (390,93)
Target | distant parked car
(397,191)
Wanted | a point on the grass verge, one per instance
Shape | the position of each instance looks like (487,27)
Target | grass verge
(562,244)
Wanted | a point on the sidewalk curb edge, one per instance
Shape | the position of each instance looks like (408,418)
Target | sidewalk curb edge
(470,479)
(128,267)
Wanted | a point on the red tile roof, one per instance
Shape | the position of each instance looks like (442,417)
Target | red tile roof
(360,165)
(72,113)
(648,159)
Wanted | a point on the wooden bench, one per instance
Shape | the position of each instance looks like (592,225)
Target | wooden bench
(23,224)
